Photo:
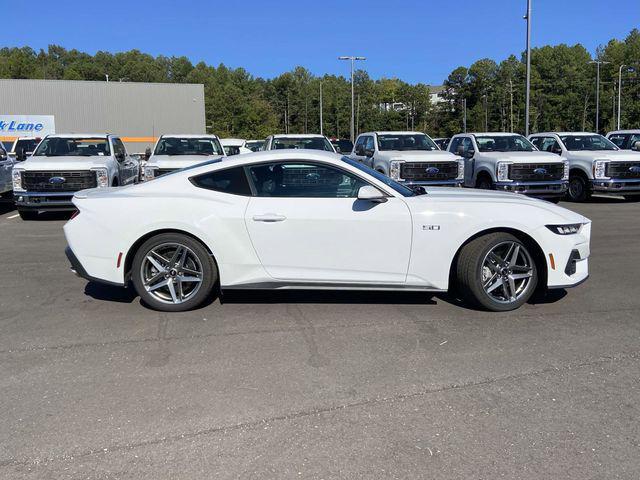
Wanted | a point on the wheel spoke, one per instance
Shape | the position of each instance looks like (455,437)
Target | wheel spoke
(189,279)
(520,276)
(495,262)
(154,262)
(180,291)
(190,271)
(521,268)
(498,283)
(172,290)
(514,256)
(155,278)
(183,258)
(512,288)
(159,285)
(176,255)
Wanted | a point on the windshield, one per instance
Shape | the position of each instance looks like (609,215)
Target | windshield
(504,143)
(72,147)
(28,144)
(255,145)
(576,143)
(187,146)
(405,142)
(343,146)
(302,143)
(401,189)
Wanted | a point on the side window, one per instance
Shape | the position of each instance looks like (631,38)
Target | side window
(118,147)
(618,140)
(548,144)
(230,180)
(359,144)
(453,147)
(537,141)
(368,144)
(306,180)
(467,144)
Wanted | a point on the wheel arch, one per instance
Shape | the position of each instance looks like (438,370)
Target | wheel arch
(483,170)
(528,240)
(131,253)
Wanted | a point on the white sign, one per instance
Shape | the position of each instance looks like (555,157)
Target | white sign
(27,125)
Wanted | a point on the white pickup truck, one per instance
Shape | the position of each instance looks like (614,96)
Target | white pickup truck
(298,141)
(6,165)
(62,164)
(626,139)
(411,158)
(596,164)
(173,152)
(509,162)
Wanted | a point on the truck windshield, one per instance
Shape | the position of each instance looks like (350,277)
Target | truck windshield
(255,145)
(28,144)
(187,146)
(401,189)
(576,143)
(72,147)
(503,143)
(302,143)
(402,142)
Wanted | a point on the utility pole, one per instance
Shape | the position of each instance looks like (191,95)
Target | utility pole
(527,17)
(320,107)
(106,76)
(464,115)
(511,104)
(352,59)
(598,63)
(619,93)
(486,114)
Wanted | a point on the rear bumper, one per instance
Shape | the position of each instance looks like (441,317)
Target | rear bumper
(44,200)
(536,189)
(614,185)
(79,270)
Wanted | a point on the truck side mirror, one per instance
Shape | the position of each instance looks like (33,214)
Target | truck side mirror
(147,153)
(3,155)
(368,152)
(120,156)
(557,150)
(460,151)
(469,153)
(360,150)
(20,154)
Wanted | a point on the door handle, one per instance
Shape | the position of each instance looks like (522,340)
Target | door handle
(269,218)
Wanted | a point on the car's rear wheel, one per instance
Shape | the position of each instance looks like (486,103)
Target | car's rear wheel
(173,272)
(496,272)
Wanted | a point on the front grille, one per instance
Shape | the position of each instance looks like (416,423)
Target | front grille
(623,170)
(49,181)
(428,171)
(536,172)
(164,171)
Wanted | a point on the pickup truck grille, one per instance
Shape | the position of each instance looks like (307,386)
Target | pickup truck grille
(623,170)
(536,172)
(428,171)
(48,181)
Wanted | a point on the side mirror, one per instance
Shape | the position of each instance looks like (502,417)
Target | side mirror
(469,153)
(636,146)
(368,152)
(21,155)
(359,150)
(3,155)
(371,194)
(120,156)
(460,151)
(147,153)
(556,150)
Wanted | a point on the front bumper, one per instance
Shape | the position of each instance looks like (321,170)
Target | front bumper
(536,189)
(615,186)
(567,256)
(44,200)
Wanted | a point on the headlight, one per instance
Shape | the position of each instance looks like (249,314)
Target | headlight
(502,171)
(600,169)
(17,180)
(569,229)
(394,169)
(460,169)
(149,172)
(565,174)
(102,176)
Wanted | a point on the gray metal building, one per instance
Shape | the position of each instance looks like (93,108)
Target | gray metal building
(138,112)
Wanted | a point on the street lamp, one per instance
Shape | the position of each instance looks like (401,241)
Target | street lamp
(352,59)
(629,69)
(527,17)
(598,63)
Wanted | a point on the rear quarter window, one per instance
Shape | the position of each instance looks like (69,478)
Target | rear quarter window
(230,180)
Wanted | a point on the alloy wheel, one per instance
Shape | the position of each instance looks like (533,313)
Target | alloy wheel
(507,270)
(171,273)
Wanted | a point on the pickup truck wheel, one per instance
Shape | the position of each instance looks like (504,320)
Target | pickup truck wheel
(579,190)
(496,272)
(28,214)
(484,183)
(173,272)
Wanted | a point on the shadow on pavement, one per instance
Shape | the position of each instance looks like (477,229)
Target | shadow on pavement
(49,216)
(110,293)
(327,296)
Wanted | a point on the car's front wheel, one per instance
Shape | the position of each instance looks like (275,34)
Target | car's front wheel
(173,272)
(496,272)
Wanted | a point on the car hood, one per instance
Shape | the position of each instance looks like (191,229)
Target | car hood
(492,199)
(418,155)
(522,157)
(179,161)
(614,155)
(63,163)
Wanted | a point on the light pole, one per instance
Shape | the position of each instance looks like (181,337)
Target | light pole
(106,75)
(598,63)
(629,69)
(320,107)
(352,59)
(527,17)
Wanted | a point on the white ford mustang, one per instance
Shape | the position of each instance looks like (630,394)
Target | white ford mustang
(310,219)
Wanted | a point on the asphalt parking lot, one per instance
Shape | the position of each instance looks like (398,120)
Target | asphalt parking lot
(318,385)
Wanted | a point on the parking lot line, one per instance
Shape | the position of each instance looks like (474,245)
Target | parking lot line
(13,216)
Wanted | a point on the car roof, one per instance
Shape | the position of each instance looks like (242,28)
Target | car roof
(232,142)
(188,135)
(81,135)
(577,134)
(636,130)
(493,134)
(281,155)
(298,135)
(392,132)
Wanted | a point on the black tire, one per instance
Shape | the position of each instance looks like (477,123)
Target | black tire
(579,188)
(209,273)
(484,182)
(469,273)
(28,214)
(632,198)
(553,199)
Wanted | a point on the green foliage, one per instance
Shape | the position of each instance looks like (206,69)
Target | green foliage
(238,104)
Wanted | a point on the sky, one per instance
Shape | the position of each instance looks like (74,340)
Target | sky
(416,41)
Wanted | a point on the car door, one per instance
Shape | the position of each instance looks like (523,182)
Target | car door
(358,149)
(369,146)
(6,166)
(307,225)
(127,166)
